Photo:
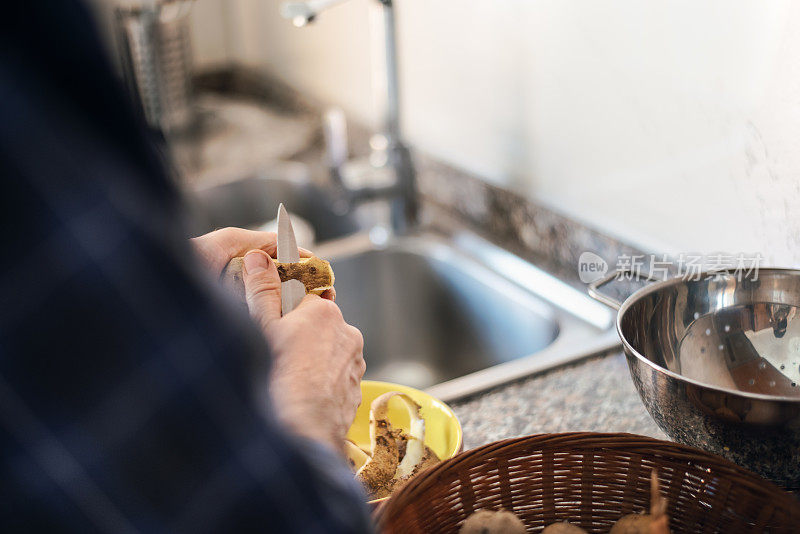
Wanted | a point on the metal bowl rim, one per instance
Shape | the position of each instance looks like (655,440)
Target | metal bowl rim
(658,286)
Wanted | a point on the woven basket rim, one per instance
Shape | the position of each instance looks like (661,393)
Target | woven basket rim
(576,441)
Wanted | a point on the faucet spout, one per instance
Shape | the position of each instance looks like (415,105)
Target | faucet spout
(391,151)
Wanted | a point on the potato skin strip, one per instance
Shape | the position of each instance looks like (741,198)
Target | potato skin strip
(394,456)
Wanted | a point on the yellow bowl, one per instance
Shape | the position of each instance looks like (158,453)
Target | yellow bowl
(442,429)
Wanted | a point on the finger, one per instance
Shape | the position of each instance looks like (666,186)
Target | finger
(361,366)
(236,241)
(219,247)
(308,300)
(326,309)
(356,403)
(262,286)
(356,336)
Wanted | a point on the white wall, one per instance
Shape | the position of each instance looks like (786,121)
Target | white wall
(674,124)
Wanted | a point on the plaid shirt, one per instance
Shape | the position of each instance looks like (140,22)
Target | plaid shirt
(127,399)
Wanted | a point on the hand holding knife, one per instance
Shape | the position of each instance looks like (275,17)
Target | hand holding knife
(315,337)
(298,276)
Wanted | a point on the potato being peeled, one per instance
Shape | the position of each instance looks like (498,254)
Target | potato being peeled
(315,273)
(489,522)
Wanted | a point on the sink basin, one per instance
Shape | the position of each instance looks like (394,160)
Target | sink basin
(427,317)
(450,314)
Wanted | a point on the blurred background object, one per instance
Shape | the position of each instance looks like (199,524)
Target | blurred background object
(584,107)
(388,171)
(215,132)
(226,121)
(156,59)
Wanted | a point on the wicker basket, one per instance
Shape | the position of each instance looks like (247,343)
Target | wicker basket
(590,480)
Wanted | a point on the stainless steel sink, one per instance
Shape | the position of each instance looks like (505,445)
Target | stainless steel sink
(452,313)
(457,315)
(427,317)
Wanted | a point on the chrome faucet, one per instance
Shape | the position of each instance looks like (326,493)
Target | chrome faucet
(388,172)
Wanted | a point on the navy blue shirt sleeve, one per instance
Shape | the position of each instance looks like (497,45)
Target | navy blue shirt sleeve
(127,399)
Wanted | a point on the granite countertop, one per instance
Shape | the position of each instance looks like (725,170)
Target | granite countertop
(596,394)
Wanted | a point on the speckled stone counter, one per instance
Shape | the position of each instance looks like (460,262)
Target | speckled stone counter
(594,395)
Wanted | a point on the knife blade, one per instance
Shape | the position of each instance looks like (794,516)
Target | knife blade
(292,291)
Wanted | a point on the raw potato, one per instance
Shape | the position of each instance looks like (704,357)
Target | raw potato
(395,456)
(488,522)
(632,524)
(563,528)
(315,273)
(656,522)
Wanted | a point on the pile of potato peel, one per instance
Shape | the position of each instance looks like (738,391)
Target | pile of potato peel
(395,456)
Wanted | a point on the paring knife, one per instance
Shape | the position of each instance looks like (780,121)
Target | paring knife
(292,291)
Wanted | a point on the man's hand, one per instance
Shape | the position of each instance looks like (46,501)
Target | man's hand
(318,361)
(219,247)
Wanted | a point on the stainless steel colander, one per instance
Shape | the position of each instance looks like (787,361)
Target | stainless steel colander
(716,361)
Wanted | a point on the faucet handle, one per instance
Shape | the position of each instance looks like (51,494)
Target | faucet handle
(334,131)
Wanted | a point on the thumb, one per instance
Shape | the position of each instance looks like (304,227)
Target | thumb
(262,286)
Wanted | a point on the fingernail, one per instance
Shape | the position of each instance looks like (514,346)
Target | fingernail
(255,261)
(302,250)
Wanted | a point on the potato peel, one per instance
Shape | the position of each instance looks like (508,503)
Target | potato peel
(415,446)
(378,471)
(394,455)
